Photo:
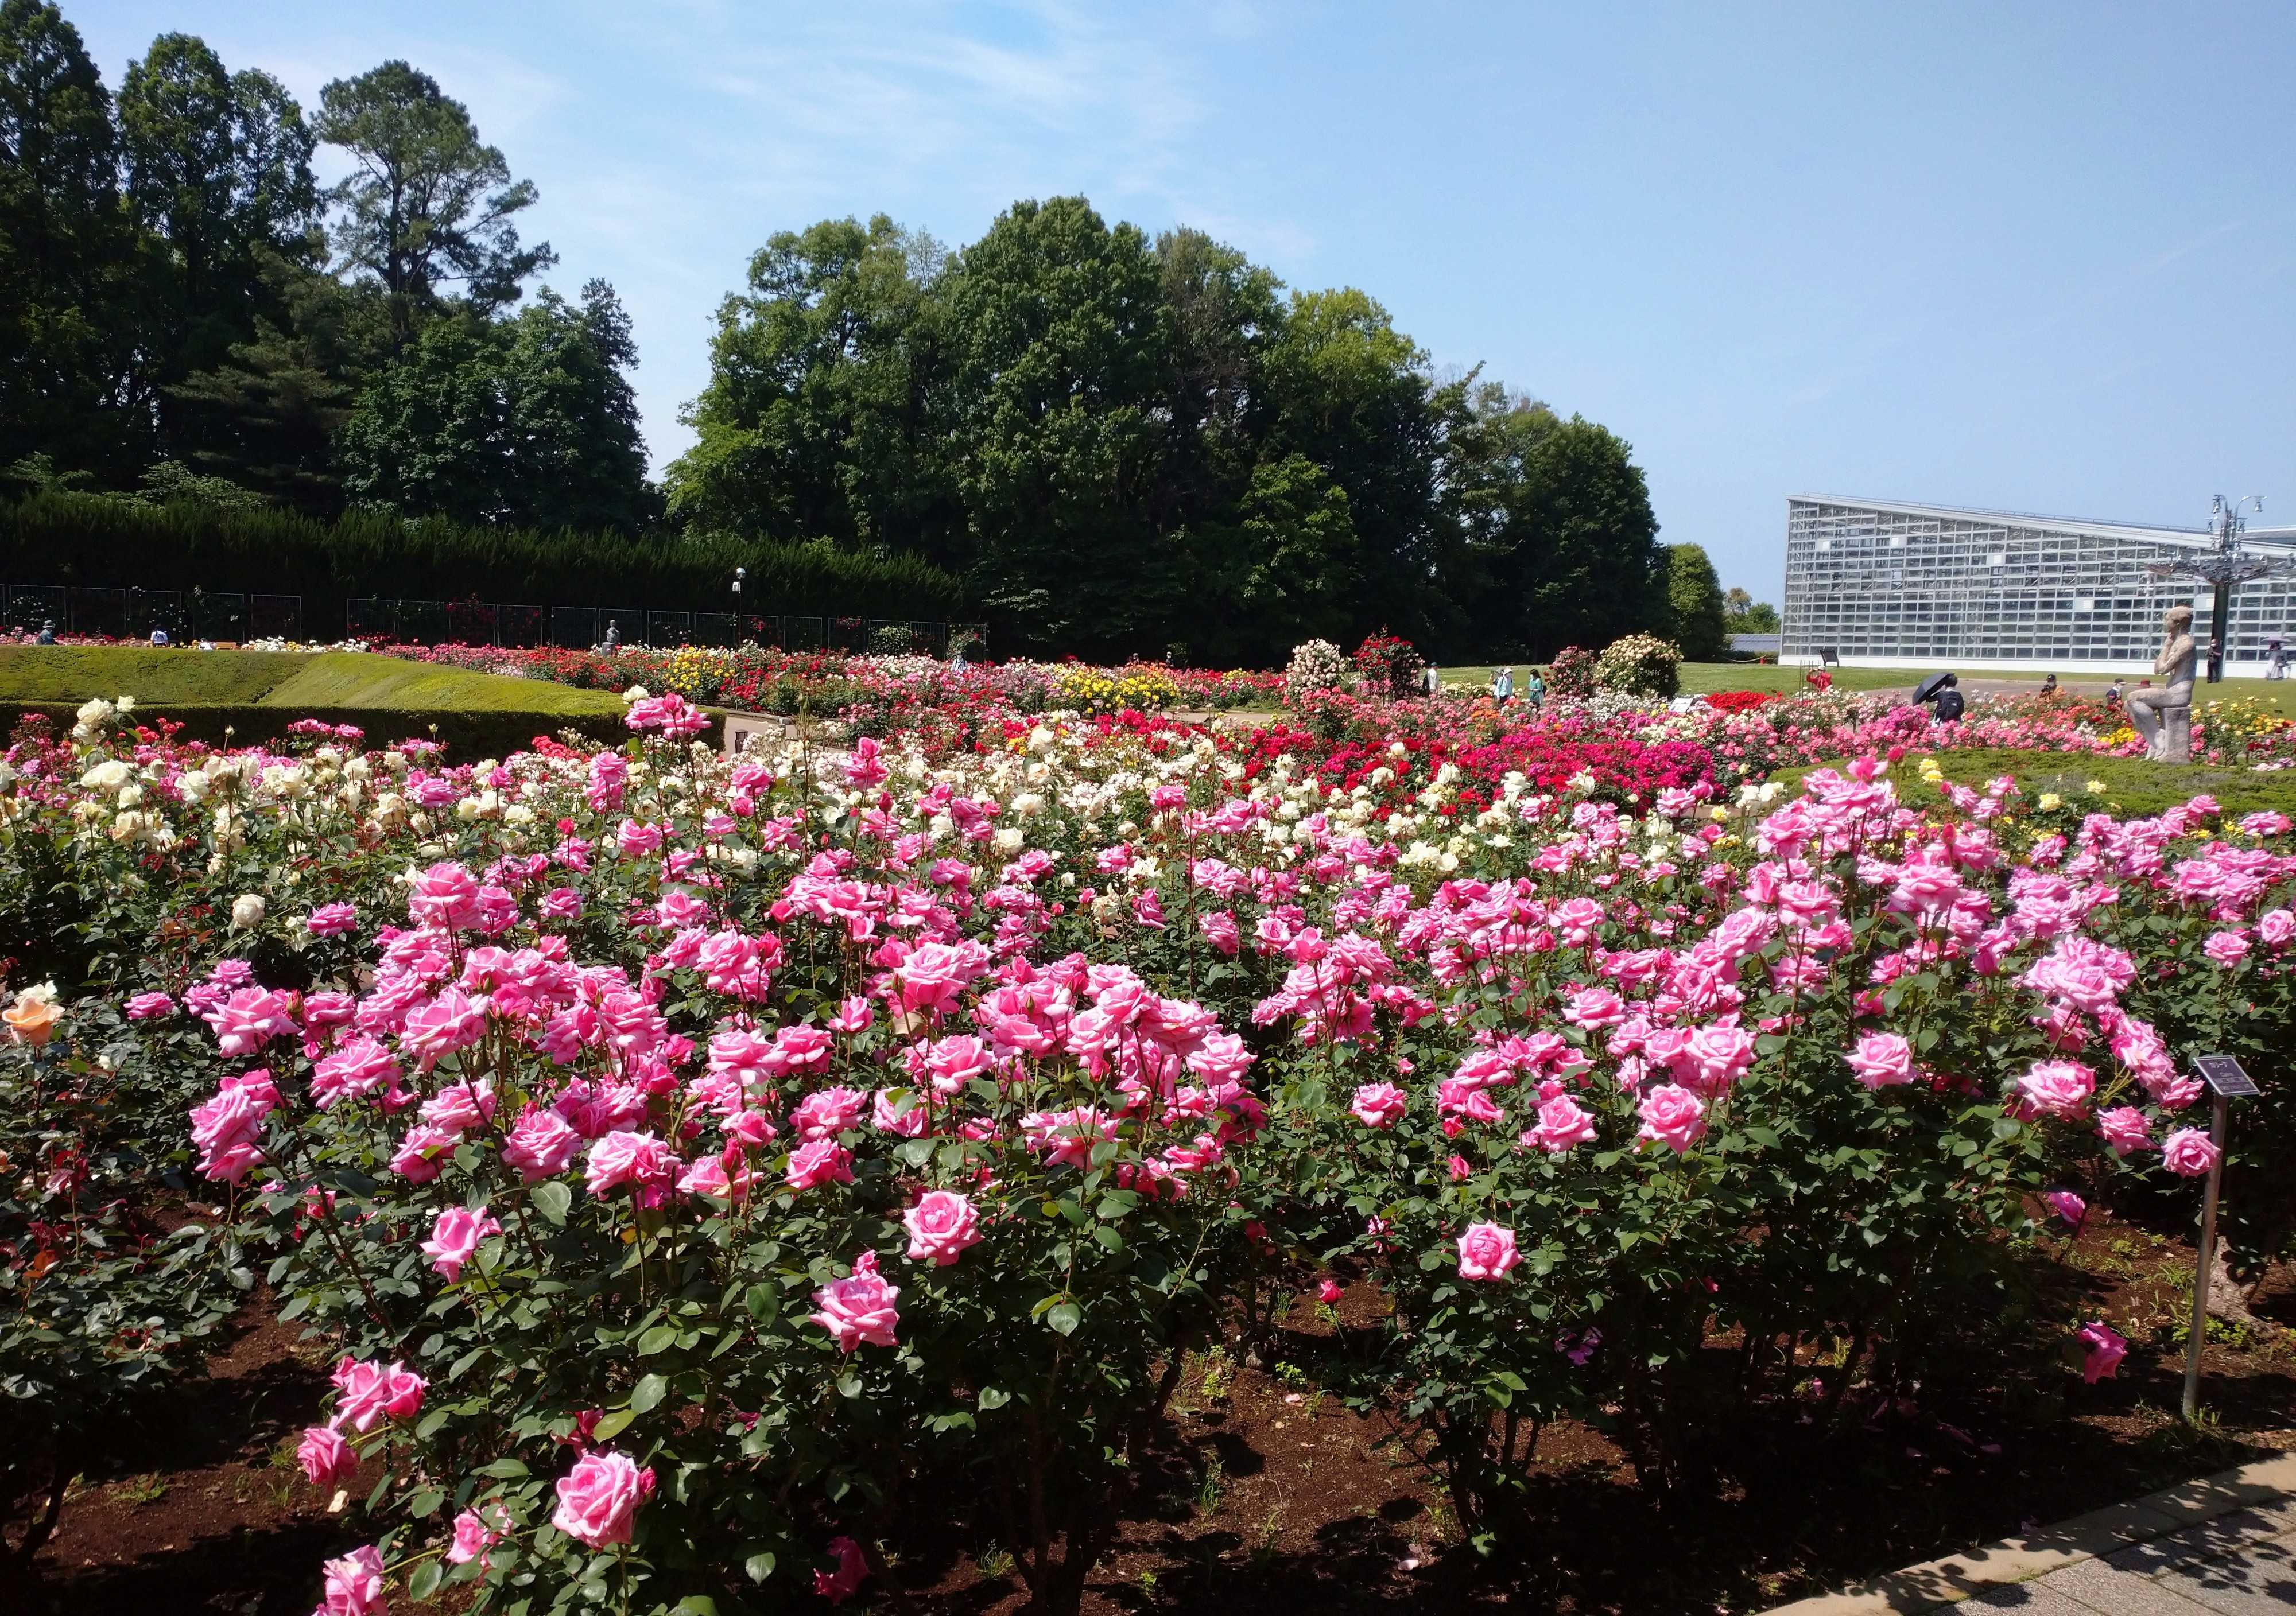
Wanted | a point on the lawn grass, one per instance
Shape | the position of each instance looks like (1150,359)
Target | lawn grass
(253,695)
(75,673)
(1705,678)
(2130,785)
(357,678)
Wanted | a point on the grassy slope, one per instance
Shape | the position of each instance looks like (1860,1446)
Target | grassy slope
(2131,785)
(74,672)
(1703,678)
(352,679)
(334,681)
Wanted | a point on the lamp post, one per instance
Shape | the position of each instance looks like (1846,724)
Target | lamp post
(2223,567)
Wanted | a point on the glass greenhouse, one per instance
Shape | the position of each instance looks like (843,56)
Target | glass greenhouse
(1889,586)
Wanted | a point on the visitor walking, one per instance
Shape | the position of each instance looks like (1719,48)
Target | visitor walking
(2112,694)
(1431,681)
(2049,685)
(613,638)
(2277,653)
(1534,691)
(47,633)
(158,635)
(1503,686)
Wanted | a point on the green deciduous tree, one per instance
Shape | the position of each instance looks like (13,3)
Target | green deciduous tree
(819,421)
(218,183)
(66,304)
(1695,616)
(527,423)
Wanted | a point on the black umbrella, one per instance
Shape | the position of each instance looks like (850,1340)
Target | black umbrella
(1930,686)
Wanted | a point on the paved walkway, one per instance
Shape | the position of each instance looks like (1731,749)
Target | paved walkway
(2224,1543)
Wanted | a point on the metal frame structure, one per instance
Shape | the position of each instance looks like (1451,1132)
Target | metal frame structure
(1885,584)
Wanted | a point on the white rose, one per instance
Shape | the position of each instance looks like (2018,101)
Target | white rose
(106,775)
(247,911)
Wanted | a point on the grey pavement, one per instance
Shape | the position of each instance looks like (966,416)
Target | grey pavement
(2240,1564)
(2223,1543)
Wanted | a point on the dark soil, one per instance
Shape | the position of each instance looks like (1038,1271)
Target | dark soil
(1263,1496)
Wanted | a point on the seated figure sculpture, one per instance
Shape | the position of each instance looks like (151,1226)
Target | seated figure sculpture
(2163,717)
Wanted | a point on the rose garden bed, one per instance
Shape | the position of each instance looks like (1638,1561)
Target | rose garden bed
(643,1179)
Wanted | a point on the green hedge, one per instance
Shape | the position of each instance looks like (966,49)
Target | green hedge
(91,540)
(468,736)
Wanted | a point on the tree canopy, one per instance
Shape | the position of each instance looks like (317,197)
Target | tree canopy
(1121,443)
(1131,446)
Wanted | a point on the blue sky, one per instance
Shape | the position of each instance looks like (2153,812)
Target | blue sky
(2034,256)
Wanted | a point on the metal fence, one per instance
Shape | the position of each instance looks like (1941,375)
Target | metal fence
(133,614)
(584,627)
(227,616)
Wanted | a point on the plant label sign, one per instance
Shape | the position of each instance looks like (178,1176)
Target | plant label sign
(2224,1075)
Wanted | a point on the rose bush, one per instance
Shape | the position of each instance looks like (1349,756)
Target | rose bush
(695,1163)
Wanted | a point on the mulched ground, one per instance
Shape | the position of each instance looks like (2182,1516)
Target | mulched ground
(1266,1497)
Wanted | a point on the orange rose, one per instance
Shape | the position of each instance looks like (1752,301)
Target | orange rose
(32,1018)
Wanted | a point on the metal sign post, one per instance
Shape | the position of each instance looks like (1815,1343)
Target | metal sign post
(2225,1079)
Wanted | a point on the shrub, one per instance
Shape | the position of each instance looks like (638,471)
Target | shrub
(1572,671)
(1640,664)
(1388,666)
(893,640)
(1316,664)
(91,540)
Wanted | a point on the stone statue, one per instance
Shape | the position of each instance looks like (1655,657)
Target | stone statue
(2164,717)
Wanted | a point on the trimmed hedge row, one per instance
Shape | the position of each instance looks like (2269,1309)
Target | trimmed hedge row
(467,735)
(91,540)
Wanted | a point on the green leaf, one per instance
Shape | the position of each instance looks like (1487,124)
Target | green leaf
(757,1568)
(1064,1317)
(694,1605)
(993,1397)
(552,1199)
(660,1339)
(648,1393)
(425,1580)
(613,1424)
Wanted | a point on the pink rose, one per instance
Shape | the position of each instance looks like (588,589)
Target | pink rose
(1487,1251)
(852,1570)
(599,1498)
(420,1151)
(353,1584)
(1563,1125)
(250,1018)
(821,1162)
(941,1225)
(332,921)
(372,1392)
(473,1537)
(827,1112)
(1328,1292)
(455,1236)
(327,1460)
(1881,1059)
(2225,949)
(1673,1116)
(623,1157)
(2106,1348)
(858,1309)
(2059,1089)
(541,1146)
(1378,1105)
(445,895)
(2067,1205)
(150,1007)
(2275,926)
(2189,1152)
(2124,1129)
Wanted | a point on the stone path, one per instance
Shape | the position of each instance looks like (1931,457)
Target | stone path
(2224,1543)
